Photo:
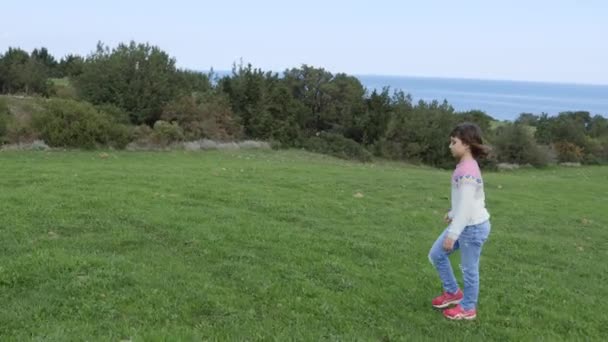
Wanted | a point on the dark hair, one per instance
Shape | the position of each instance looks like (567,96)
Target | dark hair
(470,134)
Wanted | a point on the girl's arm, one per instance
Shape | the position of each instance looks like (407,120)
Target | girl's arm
(463,212)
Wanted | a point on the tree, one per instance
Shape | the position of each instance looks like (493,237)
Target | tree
(263,103)
(420,133)
(528,119)
(139,78)
(575,135)
(598,127)
(70,66)
(543,132)
(203,115)
(345,110)
(20,72)
(514,143)
(307,85)
(245,88)
(12,67)
(43,57)
(35,76)
(483,120)
(283,110)
(566,127)
(189,82)
(378,113)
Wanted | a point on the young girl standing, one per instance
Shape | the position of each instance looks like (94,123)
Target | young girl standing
(468,229)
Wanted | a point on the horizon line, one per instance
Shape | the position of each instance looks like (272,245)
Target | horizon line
(575,83)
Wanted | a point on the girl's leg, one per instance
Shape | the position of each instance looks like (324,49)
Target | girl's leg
(471,242)
(440,259)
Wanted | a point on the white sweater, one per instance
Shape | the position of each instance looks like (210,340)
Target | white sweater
(468,198)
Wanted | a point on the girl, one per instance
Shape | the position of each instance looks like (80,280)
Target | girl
(468,229)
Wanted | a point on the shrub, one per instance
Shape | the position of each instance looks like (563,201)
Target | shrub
(206,116)
(514,143)
(568,152)
(67,123)
(166,133)
(4,118)
(338,146)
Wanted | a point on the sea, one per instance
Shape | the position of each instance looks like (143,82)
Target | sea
(503,100)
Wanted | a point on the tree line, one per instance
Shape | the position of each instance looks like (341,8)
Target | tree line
(135,93)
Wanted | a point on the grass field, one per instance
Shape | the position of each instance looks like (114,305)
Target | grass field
(285,246)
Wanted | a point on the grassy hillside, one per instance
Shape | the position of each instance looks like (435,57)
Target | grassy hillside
(285,245)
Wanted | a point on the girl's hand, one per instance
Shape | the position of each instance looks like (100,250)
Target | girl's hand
(447,219)
(448,244)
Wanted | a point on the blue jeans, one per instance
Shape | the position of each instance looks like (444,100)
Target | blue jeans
(470,243)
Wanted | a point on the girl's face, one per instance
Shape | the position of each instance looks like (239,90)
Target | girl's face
(457,147)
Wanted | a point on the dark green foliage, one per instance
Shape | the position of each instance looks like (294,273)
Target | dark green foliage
(138,78)
(22,73)
(514,143)
(68,123)
(206,115)
(138,84)
(338,146)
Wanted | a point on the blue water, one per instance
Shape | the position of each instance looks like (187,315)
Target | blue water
(503,100)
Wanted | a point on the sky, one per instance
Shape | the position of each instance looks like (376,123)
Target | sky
(533,40)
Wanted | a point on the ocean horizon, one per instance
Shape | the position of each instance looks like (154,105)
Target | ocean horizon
(501,99)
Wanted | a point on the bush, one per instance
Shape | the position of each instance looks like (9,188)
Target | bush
(480,118)
(62,88)
(139,78)
(120,136)
(490,162)
(568,152)
(206,116)
(142,133)
(514,143)
(594,151)
(20,131)
(604,149)
(4,118)
(166,133)
(337,146)
(67,123)
(420,134)
(118,115)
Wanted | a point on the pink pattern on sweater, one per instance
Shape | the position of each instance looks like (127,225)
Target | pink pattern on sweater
(467,168)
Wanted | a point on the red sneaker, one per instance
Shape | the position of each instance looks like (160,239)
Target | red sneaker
(447,299)
(457,313)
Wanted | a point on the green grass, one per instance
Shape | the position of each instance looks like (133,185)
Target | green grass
(273,245)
